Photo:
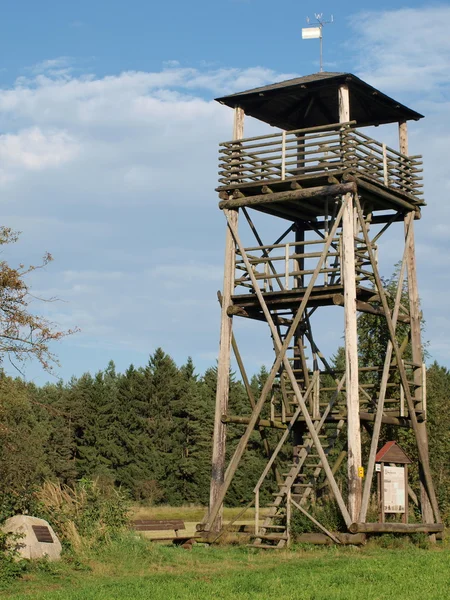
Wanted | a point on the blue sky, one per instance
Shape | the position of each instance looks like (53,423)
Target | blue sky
(108,155)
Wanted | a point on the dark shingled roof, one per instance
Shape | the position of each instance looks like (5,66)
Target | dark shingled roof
(313,100)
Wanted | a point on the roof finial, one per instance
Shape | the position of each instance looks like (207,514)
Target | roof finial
(310,33)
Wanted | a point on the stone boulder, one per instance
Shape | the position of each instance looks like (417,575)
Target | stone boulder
(38,540)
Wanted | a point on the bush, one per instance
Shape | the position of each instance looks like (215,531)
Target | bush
(85,514)
(325,511)
(10,567)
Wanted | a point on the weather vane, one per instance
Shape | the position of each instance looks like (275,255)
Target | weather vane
(314,32)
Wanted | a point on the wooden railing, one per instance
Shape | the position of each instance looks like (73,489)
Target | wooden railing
(283,267)
(306,153)
(289,266)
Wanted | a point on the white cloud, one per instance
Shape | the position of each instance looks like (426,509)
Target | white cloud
(55,66)
(33,149)
(406,53)
(406,49)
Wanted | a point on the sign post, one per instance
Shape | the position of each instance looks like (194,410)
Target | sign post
(392,481)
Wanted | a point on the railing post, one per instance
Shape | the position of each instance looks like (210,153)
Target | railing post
(385,169)
(402,401)
(257,511)
(424,391)
(288,517)
(286,267)
(283,156)
(316,397)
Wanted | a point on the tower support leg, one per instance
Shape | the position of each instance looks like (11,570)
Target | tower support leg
(223,374)
(416,348)
(351,359)
(226,336)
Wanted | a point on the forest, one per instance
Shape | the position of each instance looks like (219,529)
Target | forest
(148,431)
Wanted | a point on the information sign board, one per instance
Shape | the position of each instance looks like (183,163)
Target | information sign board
(393,489)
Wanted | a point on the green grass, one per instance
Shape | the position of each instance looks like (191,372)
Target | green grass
(133,569)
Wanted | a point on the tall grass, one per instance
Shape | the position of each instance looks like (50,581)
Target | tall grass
(84,515)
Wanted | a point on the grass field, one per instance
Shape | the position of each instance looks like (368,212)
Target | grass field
(134,569)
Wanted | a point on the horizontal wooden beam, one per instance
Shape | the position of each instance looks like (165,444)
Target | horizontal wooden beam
(260,422)
(235,310)
(365,307)
(396,527)
(398,421)
(289,195)
(383,192)
(322,539)
(364,416)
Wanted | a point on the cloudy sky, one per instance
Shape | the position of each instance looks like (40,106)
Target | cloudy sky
(108,155)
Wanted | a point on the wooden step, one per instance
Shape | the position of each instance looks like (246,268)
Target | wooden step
(264,546)
(274,526)
(270,537)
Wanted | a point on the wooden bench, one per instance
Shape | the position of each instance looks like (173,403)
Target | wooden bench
(176,525)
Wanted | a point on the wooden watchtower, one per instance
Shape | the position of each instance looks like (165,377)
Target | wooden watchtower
(335,191)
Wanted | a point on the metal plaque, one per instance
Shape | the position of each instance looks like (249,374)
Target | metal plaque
(42,533)
(394,489)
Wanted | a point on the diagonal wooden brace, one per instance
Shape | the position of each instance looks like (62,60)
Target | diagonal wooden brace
(283,358)
(383,387)
(234,462)
(423,455)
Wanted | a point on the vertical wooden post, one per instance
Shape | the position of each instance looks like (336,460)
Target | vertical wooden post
(416,343)
(286,266)
(385,169)
(351,361)
(283,155)
(406,515)
(344,104)
(403,137)
(257,512)
(351,337)
(424,391)
(416,348)
(223,369)
(288,517)
(380,507)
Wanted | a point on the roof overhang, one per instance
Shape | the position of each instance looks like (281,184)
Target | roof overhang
(313,101)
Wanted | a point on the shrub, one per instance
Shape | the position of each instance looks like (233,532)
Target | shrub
(10,567)
(84,514)
(325,511)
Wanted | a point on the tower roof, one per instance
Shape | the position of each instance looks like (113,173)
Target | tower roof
(313,100)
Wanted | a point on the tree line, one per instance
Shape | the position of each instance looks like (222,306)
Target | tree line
(149,431)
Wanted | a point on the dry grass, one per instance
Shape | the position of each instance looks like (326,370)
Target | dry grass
(68,504)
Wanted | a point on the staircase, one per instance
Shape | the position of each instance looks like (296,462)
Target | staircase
(299,482)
